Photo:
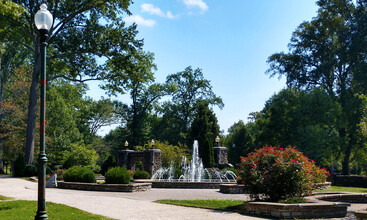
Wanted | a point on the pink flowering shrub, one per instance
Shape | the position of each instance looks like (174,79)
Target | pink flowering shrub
(273,173)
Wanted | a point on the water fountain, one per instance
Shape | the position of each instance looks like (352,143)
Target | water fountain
(194,173)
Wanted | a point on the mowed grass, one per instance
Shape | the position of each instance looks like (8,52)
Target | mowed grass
(344,189)
(26,210)
(206,204)
(233,204)
(5,198)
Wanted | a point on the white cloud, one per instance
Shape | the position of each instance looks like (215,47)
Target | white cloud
(170,15)
(196,3)
(139,20)
(153,10)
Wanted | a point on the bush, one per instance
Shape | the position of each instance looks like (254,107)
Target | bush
(117,175)
(139,174)
(60,174)
(30,170)
(19,166)
(170,153)
(81,155)
(79,174)
(277,173)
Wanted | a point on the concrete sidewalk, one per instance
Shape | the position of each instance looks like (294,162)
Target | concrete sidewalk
(138,205)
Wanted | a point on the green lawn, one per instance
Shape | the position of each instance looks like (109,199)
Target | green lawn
(344,189)
(231,204)
(207,204)
(22,210)
(5,198)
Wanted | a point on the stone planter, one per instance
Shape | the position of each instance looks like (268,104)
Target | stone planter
(136,187)
(183,185)
(361,215)
(291,211)
(232,188)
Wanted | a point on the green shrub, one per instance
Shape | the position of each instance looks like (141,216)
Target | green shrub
(30,170)
(177,172)
(81,155)
(19,166)
(107,164)
(117,175)
(79,174)
(273,173)
(293,200)
(140,174)
(170,153)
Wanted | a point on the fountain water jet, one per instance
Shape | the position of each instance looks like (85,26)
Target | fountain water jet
(193,171)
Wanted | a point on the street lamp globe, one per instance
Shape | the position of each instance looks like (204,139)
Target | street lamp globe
(217,139)
(43,18)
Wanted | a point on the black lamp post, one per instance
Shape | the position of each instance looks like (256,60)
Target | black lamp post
(43,20)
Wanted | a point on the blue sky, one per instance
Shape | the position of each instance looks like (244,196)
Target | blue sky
(229,40)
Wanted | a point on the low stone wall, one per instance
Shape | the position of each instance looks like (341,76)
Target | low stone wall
(232,188)
(349,181)
(322,186)
(290,211)
(361,215)
(136,187)
(183,185)
(350,198)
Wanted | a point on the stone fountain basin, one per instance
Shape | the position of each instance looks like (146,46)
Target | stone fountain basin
(183,185)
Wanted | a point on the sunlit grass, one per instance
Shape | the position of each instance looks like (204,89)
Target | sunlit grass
(207,204)
(5,198)
(344,189)
(24,210)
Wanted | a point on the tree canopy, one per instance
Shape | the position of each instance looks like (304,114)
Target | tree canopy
(325,53)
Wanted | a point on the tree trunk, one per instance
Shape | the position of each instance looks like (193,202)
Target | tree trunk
(32,109)
(2,84)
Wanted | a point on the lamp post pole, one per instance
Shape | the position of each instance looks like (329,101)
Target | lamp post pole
(43,20)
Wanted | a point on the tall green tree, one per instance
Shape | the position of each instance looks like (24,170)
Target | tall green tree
(308,120)
(73,118)
(239,142)
(204,129)
(10,56)
(322,53)
(178,114)
(82,34)
(14,107)
(143,93)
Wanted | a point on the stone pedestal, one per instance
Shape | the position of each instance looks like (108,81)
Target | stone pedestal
(151,159)
(220,156)
(123,158)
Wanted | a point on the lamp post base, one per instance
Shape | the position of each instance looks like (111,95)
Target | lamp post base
(41,215)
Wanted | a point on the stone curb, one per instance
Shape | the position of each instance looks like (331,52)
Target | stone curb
(135,187)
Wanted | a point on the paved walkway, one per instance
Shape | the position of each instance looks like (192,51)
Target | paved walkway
(132,206)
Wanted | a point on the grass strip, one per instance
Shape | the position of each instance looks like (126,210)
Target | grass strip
(206,204)
(5,198)
(344,189)
(26,210)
